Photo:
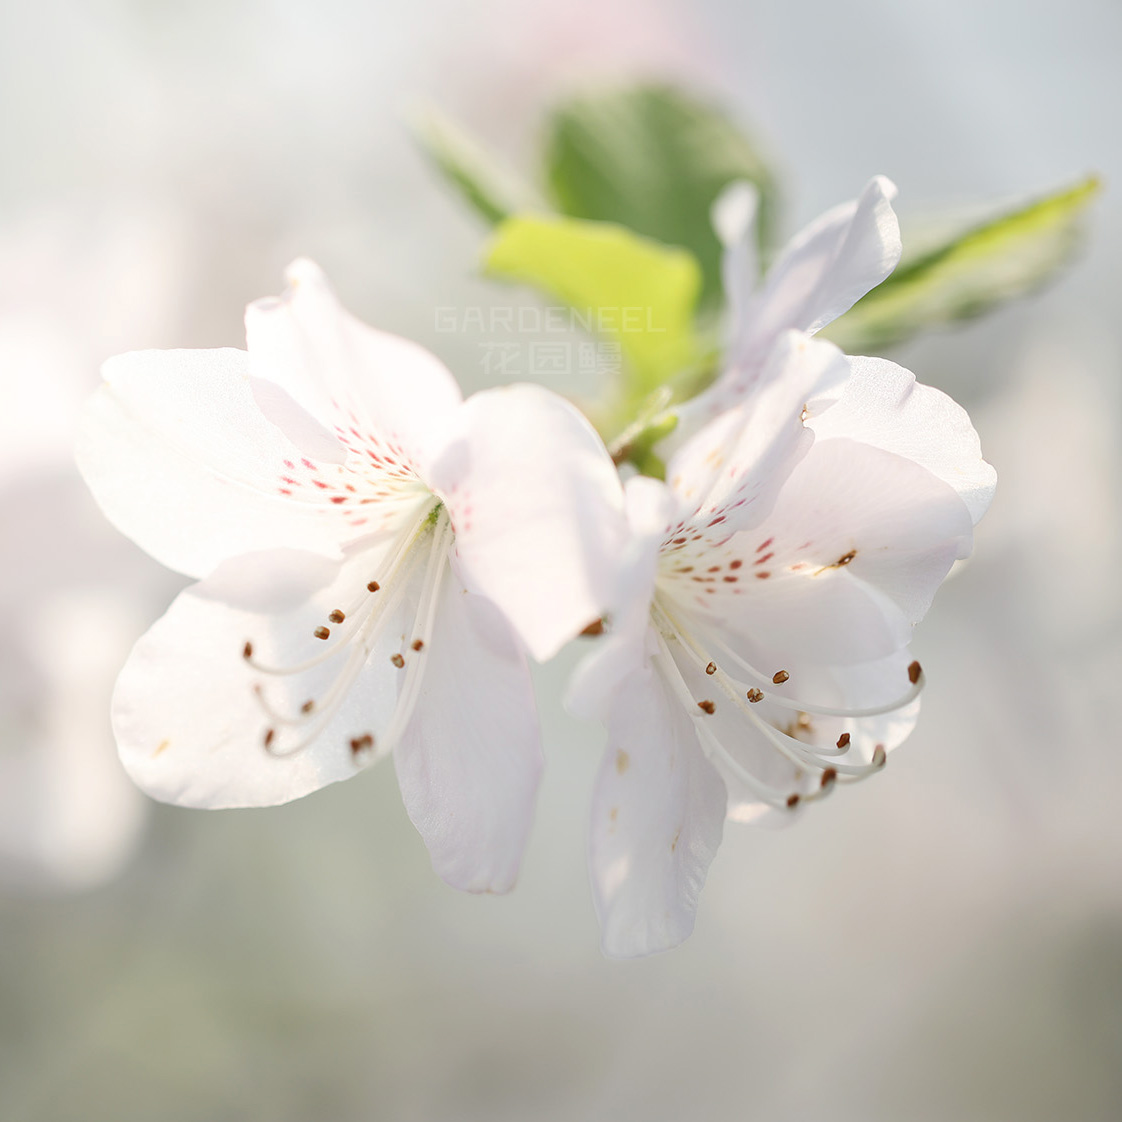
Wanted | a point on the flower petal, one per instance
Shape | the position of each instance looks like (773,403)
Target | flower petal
(847,562)
(657,816)
(181,460)
(734,219)
(828,266)
(822,272)
(189,721)
(882,404)
(393,392)
(538,511)
(650,506)
(470,760)
(728,475)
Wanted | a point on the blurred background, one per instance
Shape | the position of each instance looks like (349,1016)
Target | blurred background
(944,942)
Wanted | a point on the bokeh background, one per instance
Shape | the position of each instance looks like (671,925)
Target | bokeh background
(942,943)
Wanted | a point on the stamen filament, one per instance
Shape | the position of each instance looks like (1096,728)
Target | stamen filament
(354,621)
(358,636)
(724,652)
(322,714)
(426,615)
(795,751)
(763,791)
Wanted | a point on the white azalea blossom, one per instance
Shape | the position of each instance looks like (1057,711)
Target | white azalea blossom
(821,273)
(374,551)
(757,649)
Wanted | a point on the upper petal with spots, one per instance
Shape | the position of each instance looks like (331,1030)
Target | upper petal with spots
(381,393)
(181,460)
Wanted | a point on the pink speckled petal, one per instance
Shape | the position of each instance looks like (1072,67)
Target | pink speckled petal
(847,562)
(726,477)
(371,389)
(181,460)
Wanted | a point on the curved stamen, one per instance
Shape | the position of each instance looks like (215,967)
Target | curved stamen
(354,621)
(362,644)
(724,652)
(421,635)
(780,800)
(323,711)
(795,751)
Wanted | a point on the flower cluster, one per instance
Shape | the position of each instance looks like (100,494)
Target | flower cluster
(376,557)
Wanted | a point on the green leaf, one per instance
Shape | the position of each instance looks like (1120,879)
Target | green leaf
(490,190)
(633,291)
(970,272)
(653,159)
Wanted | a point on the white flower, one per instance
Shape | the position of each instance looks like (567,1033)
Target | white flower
(757,655)
(821,273)
(355,524)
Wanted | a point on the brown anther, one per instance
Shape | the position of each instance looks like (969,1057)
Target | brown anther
(914,671)
(755,695)
(829,778)
(792,801)
(880,756)
(418,644)
(361,743)
(337,616)
(779,677)
(707,707)
(596,627)
(711,668)
(373,586)
(397,660)
(845,558)
(247,650)
(322,632)
(308,706)
(843,740)
(269,734)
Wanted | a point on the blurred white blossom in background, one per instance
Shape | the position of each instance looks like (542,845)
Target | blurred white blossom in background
(73,593)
